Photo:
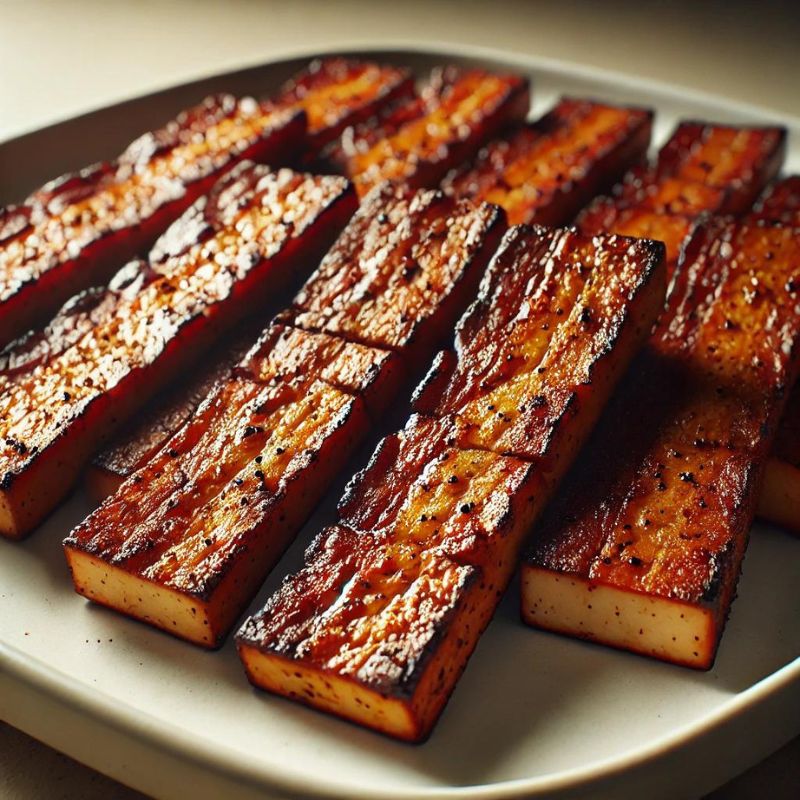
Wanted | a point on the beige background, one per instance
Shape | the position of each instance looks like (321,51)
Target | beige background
(58,59)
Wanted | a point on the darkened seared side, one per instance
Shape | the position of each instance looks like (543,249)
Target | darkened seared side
(337,92)
(546,171)
(643,546)
(380,622)
(779,501)
(77,230)
(63,391)
(473,107)
(188,539)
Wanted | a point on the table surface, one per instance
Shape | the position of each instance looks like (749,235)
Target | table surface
(59,59)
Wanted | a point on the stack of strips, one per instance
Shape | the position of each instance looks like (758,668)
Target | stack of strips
(565,157)
(643,548)
(187,540)
(380,622)
(79,229)
(63,389)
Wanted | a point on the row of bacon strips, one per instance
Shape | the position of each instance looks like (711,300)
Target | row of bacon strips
(379,624)
(393,284)
(643,548)
(66,387)
(554,167)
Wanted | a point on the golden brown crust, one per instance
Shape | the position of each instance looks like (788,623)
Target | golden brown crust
(337,92)
(393,599)
(402,271)
(63,391)
(475,106)
(545,172)
(662,507)
(78,229)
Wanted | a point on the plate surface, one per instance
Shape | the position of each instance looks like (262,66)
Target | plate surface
(533,715)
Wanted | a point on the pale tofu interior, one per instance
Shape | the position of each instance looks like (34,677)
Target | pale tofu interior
(779,501)
(158,605)
(653,626)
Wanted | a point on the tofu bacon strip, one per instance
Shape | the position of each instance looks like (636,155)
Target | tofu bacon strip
(643,547)
(78,230)
(701,169)
(336,93)
(547,171)
(64,389)
(380,622)
(472,107)
(189,538)
(779,501)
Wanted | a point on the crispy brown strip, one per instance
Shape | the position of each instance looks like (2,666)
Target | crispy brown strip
(337,92)
(779,501)
(545,172)
(473,108)
(643,547)
(380,622)
(188,539)
(64,389)
(77,230)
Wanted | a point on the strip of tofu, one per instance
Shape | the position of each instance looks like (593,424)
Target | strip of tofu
(138,441)
(701,169)
(78,230)
(337,92)
(188,539)
(380,622)
(65,389)
(473,108)
(547,171)
(643,546)
(779,501)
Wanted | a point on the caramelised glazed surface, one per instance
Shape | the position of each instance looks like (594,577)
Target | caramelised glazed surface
(77,229)
(700,169)
(738,159)
(403,254)
(110,351)
(551,307)
(379,624)
(184,514)
(187,540)
(662,507)
(546,171)
(474,106)
(133,446)
(359,138)
(337,92)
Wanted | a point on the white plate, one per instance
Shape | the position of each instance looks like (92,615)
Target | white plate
(533,715)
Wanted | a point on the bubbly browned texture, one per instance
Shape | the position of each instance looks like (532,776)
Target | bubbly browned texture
(360,137)
(643,546)
(545,172)
(338,92)
(472,108)
(380,622)
(188,539)
(64,389)
(701,168)
(77,230)
(140,439)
